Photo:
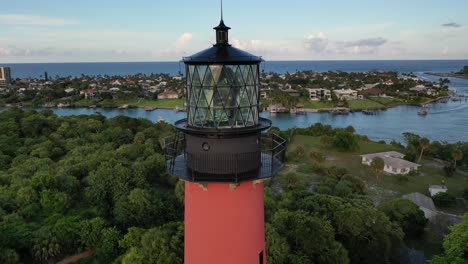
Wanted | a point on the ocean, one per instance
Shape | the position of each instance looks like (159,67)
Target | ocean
(36,70)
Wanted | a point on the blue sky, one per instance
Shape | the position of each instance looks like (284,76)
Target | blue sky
(143,30)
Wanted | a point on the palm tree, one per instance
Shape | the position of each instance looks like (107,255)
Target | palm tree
(423,144)
(457,154)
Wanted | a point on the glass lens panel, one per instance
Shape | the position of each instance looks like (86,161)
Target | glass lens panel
(223,95)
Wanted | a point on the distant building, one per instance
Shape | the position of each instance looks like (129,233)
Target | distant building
(394,162)
(435,189)
(374,91)
(319,94)
(264,93)
(418,88)
(346,94)
(389,83)
(89,93)
(5,77)
(292,92)
(116,83)
(168,94)
(69,90)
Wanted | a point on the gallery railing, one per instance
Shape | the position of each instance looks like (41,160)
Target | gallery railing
(238,166)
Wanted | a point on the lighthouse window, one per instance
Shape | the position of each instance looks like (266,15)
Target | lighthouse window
(260,257)
(223,96)
(222,36)
(205,146)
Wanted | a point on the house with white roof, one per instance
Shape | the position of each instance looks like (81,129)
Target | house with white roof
(393,162)
(435,189)
(346,94)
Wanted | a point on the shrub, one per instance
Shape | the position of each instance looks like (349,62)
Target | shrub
(309,168)
(317,156)
(444,199)
(401,178)
(449,169)
(292,157)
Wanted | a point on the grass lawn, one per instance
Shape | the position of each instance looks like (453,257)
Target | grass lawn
(383,186)
(355,105)
(165,103)
(386,100)
(318,104)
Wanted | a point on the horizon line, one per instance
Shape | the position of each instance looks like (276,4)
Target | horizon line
(173,61)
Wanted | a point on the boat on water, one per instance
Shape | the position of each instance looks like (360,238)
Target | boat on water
(340,111)
(63,105)
(423,112)
(123,107)
(160,119)
(149,108)
(456,99)
(178,109)
(369,112)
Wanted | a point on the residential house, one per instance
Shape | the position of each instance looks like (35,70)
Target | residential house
(116,83)
(292,92)
(168,94)
(388,83)
(89,93)
(264,93)
(319,94)
(393,162)
(418,88)
(435,189)
(69,90)
(346,94)
(374,91)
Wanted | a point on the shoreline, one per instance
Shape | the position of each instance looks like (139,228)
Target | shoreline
(182,109)
(448,75)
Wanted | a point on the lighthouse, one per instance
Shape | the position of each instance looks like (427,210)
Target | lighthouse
(223,157)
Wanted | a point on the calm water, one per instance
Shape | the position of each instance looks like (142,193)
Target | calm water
(36,70)
(445,122)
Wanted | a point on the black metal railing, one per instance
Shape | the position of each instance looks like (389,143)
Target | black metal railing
(236,167)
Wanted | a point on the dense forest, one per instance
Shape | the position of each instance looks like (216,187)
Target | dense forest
(78,184)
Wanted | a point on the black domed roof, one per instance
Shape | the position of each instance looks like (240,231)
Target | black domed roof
(222,54)
(222,51)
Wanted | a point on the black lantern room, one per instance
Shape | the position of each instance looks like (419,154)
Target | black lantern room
(221,139)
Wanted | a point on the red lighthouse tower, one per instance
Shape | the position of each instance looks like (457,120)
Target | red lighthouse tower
(221,154)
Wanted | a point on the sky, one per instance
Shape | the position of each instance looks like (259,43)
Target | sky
(165,30)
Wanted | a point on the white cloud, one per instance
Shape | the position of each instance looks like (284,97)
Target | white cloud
(31,20)
(184,39)
(248,45)
(317,43)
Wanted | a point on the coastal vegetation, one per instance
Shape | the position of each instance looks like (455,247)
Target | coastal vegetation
(367,91)
(96,188)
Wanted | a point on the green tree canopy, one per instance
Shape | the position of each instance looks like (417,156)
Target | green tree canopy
(406,214)
(455,245)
